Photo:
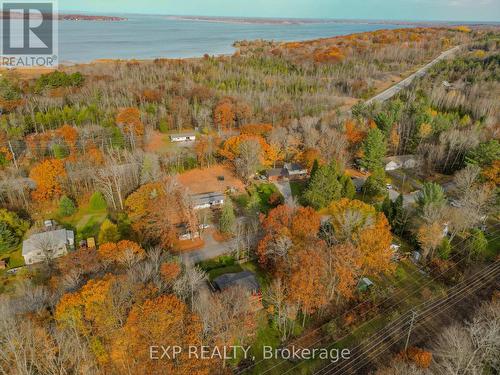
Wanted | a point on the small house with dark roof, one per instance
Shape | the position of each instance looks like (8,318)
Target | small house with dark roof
(245,279)
(275,174)
(290,171)
(295,171)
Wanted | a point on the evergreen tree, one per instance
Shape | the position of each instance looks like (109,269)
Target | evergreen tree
(325,187)
(66,206)
(108,232)
(15,224)
(227,218)
(484,154)
(374,150)
(8,239)
(387,209)
(348,188)
(431,193)
(314,168)
(400,218)
(375,184)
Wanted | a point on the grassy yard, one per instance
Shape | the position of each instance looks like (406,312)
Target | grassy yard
(265,191)
(86,222)
(14,259)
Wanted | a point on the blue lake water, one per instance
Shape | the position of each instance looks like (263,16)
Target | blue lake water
(145,37)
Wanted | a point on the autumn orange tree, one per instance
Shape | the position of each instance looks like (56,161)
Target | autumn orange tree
(155,214)
(284,227)
(354,134)
(48,176)
(256,129)
(166,321)
(92,313)
(223,114)
(121,252)
(137,203)
(308,278)
(359,224)
(231,148)
(129,120)
(70,136)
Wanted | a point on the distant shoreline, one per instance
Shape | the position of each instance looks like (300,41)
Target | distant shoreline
(65,17)
(309,21)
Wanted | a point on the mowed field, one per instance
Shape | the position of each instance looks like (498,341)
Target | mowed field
(207,180)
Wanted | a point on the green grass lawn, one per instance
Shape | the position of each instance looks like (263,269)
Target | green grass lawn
(14,258)
(265,191)
(86,222)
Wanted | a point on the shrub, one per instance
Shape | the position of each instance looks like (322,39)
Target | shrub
(108,232)
(97,202)
(60,151)
(66,206)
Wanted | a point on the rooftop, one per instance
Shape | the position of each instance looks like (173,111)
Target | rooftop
(245,279)
(207,197)
(54,238)
(181,135)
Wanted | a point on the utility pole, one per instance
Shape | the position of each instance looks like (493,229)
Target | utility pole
(413,316)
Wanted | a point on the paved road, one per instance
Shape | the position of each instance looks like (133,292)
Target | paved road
(408,199)
(211,250)
(390,92)
(285,189)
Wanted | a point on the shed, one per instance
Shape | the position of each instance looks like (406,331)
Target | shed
(364,284)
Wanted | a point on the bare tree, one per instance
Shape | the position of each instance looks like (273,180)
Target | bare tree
(249,158)
(187,285)
(473,347)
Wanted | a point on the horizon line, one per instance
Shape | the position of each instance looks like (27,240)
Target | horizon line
(393,20)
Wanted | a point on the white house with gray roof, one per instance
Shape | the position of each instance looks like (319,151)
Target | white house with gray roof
(48,245)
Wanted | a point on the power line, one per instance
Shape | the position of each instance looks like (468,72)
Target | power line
(441,304)
(371,320)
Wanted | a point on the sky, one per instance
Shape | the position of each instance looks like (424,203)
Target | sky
(449,10)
